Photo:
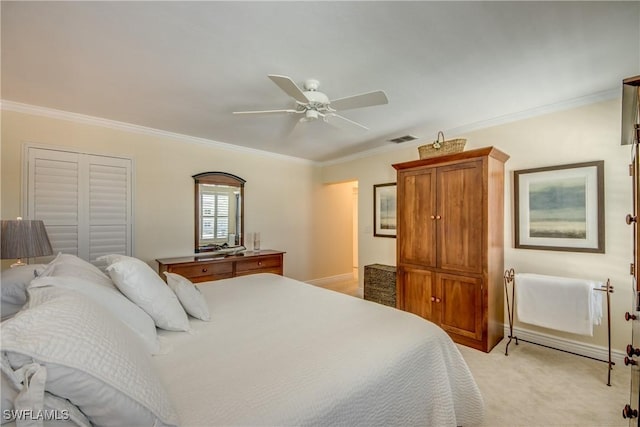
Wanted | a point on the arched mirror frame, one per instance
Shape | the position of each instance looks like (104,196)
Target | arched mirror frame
(217,178)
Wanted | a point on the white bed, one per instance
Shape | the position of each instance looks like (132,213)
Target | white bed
(281,352)
(119,349)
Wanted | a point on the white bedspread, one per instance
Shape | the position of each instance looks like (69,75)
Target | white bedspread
(281,352)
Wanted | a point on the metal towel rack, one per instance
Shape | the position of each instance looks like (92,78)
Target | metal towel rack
(509,277)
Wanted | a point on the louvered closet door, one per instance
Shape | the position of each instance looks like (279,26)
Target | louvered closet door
(84,201)
(109,206)
(52,194)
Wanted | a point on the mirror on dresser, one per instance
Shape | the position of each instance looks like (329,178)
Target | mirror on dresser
(219,210)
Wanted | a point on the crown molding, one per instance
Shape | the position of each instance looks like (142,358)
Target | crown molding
(128,127)
(507,118)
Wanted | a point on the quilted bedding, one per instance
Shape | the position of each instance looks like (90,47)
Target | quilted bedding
(281,352)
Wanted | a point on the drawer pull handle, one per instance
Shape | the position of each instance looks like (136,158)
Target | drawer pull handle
(204,270)
(260,263)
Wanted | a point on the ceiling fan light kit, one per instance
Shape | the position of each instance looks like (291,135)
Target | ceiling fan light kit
(309,116)
(314,104)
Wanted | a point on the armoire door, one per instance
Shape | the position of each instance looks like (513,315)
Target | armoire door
(460,218)
(418,293)
(417,217)
(460,305)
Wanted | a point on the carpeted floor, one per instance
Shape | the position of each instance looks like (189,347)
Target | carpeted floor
(537,386)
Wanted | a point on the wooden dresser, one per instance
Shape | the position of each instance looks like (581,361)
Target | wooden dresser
(205,267)
(450,232)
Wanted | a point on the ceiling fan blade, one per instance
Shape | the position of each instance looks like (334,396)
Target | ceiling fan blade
(286,84)
(358,101)
(342,122)
(266,112)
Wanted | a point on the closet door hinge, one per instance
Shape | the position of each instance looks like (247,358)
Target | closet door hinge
(632,269)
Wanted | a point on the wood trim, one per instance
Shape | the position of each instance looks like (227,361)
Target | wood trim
(633,81)
(443,160)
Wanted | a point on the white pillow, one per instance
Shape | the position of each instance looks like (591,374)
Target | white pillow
(14,281)
(91,359)
(7,309)
(144,287)
(189,296)
(110,298)
(111,258)
(54,406)
(72,266)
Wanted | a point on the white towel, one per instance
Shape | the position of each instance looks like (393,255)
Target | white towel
(560,303)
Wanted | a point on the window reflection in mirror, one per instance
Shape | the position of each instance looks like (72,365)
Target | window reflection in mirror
(219,208)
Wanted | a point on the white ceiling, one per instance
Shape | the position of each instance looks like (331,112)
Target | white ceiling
(184,67)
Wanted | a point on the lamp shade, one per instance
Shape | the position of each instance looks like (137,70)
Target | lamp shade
(24,239)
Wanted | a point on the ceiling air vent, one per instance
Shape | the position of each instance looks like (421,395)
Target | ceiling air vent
(405,138)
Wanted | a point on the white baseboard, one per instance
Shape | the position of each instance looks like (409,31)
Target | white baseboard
(583,349)
(331,279)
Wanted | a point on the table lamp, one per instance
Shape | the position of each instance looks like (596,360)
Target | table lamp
(24,239)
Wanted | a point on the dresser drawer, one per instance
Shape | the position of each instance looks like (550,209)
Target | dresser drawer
(203,270)
(269,264)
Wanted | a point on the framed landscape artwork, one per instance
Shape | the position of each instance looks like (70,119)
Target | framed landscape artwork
(560,207)
(384,210)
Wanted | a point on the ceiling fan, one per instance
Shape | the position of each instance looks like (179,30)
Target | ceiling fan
(312,104)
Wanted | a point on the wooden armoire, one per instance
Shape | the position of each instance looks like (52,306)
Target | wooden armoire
(450,239)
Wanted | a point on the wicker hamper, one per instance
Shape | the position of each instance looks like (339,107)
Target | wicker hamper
(439,148)
(380,284)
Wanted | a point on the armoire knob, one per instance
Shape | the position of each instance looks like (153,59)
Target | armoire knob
(628,316)
(632,351)
(628,361)
(630,219)
(627,412)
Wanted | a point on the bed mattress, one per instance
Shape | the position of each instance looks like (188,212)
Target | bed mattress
(282,352)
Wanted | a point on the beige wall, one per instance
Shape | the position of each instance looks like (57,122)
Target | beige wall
(333,219)
(278,195)
(581,134)
(305,217)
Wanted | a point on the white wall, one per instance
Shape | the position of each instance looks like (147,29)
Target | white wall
(278,192)
(288,203)
(581,134)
